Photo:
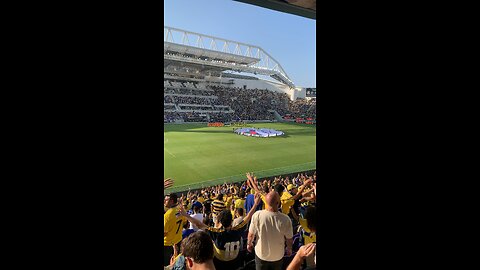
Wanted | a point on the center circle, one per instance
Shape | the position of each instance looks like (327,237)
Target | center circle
(259,132)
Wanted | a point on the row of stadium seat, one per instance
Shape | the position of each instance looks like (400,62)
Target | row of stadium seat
(229,103)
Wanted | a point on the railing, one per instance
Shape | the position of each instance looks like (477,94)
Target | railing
(297,168)
(267,65)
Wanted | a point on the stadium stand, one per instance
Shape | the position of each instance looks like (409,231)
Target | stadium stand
(190,102)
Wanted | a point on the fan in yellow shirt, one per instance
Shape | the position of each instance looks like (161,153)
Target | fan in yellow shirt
(240,201)
(173,223)
(228,200)
(309,228)
(286,200)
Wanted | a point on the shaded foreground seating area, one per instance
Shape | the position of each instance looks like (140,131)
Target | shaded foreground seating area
(297,201)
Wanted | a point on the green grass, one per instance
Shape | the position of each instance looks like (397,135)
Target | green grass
(196,155)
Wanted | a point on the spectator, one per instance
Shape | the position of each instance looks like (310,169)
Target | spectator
(192,202)
(238,216)
(172,222)
(273,230)
(286,199)
(197,253)
(226,238)
(308,225)
(217,206)
(240,200)
(197,214)
(304,252)
(186,230)
(249,202)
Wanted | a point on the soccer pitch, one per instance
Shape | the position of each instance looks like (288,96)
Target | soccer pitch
(203,156)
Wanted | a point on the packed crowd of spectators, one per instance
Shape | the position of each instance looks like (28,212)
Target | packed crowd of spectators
(251,104)
(246,104)
(266,224)
(303,108)
(192,100)
(171,117)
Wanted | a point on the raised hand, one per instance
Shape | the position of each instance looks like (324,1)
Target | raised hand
(167,183)
(181,210)
(306,250)
(257,199)
(307,182)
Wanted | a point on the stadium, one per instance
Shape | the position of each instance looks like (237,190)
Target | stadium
(204,82)
(238,133)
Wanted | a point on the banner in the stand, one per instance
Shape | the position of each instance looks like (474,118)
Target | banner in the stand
(216,124)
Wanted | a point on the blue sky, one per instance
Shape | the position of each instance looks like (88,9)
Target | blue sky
(288,38)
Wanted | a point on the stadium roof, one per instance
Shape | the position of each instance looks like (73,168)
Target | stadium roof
(197,55)
(304,8)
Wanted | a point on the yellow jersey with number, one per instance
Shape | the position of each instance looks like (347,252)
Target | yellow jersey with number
(173,223)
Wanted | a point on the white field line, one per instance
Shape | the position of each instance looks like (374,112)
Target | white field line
(167,149)
(170,152)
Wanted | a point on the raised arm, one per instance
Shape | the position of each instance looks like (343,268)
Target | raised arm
(197,223)
(302,253)
(253,184)
(300,189)
(257,201)
(167,183)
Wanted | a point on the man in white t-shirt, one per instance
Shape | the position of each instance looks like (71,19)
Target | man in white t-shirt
(273,230)
(197,214)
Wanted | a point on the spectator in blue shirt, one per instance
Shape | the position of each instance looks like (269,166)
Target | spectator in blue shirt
(249,202)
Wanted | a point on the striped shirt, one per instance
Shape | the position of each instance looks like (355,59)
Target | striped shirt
(217,207)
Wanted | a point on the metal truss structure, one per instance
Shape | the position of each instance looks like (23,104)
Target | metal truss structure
(194,55)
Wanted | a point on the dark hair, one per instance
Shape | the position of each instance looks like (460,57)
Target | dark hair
(198,246)
(206,221)
(196,208)
(241,194)
(173,197)
(220,197)
(208,207)
(310,217)
(279,188)
(239,211)
(225,218)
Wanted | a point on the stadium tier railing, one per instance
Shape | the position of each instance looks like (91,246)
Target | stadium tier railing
(287,170)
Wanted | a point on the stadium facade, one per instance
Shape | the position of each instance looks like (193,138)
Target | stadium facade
(198,67)
(213,59)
